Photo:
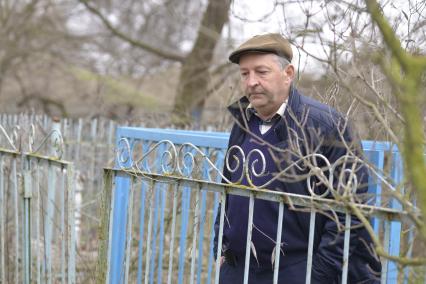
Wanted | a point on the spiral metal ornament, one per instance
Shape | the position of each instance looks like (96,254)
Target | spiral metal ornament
(347,179)
(194,162)
(316,172)
(252,166)
(123,153)
(56,144)
(166,164)
(168,160)
(237,161)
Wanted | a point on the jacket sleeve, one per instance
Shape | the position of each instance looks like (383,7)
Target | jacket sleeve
(327,262)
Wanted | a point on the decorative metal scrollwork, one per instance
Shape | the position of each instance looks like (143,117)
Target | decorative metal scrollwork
(53,141)
(188,160)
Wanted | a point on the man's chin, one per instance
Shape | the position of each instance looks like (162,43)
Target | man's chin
(256,101)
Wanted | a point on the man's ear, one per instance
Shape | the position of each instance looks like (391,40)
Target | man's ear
(289,71)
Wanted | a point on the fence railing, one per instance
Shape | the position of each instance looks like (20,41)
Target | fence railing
(160,224)
(37,232)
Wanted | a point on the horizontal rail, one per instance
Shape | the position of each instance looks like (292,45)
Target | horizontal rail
(291,199)
(52,160)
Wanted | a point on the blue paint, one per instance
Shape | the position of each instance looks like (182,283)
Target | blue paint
(161,241)
(374,151)
(154,232)
(141,231)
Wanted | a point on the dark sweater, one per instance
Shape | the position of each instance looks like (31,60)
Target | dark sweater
(265,217)
(322,130)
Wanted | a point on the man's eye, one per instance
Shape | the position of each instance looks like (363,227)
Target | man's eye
(262,72)
(244,74)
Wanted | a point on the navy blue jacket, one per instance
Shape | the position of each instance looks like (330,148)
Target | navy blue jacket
(319,128)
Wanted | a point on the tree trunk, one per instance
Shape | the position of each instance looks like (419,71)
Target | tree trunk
(194,76)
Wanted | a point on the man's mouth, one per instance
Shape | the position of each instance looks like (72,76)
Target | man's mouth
(255,94)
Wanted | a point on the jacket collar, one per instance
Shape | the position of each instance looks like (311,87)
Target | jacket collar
(238,108)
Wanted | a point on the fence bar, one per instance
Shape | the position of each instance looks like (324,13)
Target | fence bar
(51,192)
(278,242)
(248,242)
(37,221)
(211,248)
(2,222)
(16,197)
(129,231)
(220,236)
(346,248)
(194,234)
(71,223)
(310,246)
(62,228)
(148,241)
(156,192)
(186,198)
(141,229)
(386,244)
(105,229)
(163,195)
(172,237)
(27,195)
(201,235)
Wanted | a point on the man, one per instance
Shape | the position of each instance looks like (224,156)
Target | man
(275,119)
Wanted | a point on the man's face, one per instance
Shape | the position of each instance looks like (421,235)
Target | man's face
(264,83)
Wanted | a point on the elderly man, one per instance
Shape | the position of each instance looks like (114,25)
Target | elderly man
(272,116)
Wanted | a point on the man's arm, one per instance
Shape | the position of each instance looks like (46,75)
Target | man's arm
(328,260)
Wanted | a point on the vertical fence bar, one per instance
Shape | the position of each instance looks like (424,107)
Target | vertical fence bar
(212,231)
(71,223)
(148,241)
(92,169)
(163,195)
(62,225)
(51,176)
(26,234)
(346,248)
(386,241)
(141,229)
(220,236)
(37,221)
(395,229)
(106,228)
(194,234)
(310,246)
(156,193)
(16,197)
(248,241)
(172,237)
(186,198)
(278,242)
(129,231)
(2,222)
(201,235)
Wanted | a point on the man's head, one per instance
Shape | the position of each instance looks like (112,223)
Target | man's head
(266,71)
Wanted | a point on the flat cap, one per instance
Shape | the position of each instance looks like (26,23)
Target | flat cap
(266,43)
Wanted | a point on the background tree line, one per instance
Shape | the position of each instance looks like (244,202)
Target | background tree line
(129,58)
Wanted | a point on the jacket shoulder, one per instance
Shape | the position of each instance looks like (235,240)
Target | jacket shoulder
(318,114)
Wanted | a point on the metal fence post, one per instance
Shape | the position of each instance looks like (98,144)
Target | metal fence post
(102,265)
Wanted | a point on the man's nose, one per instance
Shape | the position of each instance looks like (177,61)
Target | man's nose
(252,80)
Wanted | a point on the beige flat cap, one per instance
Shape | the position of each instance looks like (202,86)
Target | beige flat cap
(267,43)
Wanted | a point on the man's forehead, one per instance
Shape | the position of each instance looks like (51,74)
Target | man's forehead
(256,60)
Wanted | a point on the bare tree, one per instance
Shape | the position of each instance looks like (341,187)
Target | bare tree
(195,65)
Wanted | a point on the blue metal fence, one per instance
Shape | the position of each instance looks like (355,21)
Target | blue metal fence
(212,144)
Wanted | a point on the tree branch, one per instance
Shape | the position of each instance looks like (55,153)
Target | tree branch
(137,43)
